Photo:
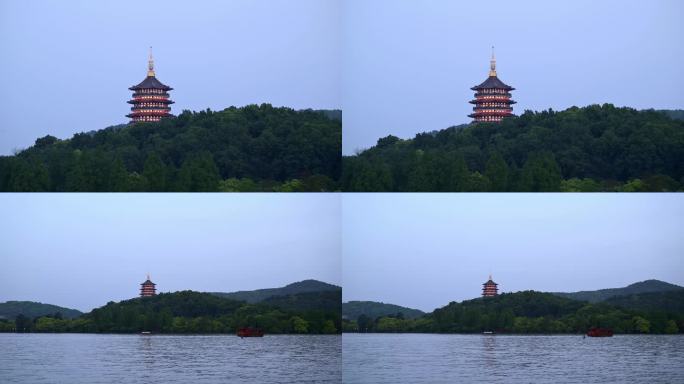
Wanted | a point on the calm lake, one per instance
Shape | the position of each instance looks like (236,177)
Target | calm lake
(420,358)
(88,358)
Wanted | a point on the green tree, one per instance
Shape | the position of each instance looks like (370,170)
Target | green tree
(198,174)
(541,173)
(459,174)
(329,327)
(641,325)
(496,171)
(671,327)
(299,325)
(580,185)
(154,172)
(118,180)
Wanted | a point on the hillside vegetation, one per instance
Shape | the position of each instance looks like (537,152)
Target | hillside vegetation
(539,312)
(189,312)
(259,295)
(670,301)
(590,149)
(11,309)
(252,148)
(604,294)
(374,309)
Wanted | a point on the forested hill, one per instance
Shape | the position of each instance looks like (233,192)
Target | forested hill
(258,295)
(536,312)
(251,148)
(636,288)
(668,301)
(374,309)
(188,312)
(12,309)
(594,148)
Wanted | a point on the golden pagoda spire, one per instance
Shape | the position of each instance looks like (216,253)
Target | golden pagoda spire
(492,64)
(150,65)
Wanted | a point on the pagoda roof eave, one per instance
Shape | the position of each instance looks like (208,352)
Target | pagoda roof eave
(492,82)
(150,82)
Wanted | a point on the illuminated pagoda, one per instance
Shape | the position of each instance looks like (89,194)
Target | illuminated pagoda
(147,288)
(492,98)
(150,98)
(489,289)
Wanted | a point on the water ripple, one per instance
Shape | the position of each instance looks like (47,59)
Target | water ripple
(416,358)
(80,358)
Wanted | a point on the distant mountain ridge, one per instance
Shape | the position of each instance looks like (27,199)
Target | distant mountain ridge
(11,309)
(668,301)
(373,309)
(647,286)
(308,301)
(260,295)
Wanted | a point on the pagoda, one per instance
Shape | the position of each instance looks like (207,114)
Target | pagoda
(489,288)
(492,98)
(147,288)
(150,98)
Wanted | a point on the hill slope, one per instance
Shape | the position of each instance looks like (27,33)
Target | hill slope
(12,309)
(535,312)
(590,149)
(308,301)
(290,289)
(669,301)
(373,309)
(252,148)
(188,312)
(636,288)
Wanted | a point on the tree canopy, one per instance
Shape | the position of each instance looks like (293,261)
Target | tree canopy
(536,312)
(595,148)
(196,312)
(252,148)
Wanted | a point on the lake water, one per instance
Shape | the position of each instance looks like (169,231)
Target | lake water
(420,358)
(88,358)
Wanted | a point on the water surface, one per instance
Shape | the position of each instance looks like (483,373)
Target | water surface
(89,358)
(429,358)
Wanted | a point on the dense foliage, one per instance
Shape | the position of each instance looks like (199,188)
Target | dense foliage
(595,148)
(259,295)
(671,301)
(604,294)
(252,148)
(187,312)
(525,312)
(374,309)
(308,301)
(11,309)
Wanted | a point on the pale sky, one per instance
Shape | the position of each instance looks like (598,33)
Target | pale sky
(409,65)
(83,250)
(67,64)
(425,250)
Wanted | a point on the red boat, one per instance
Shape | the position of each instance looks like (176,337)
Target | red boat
(250,332)
(600,332)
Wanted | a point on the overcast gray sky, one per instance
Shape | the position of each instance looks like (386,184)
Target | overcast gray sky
(425,250)
(83,250)
(67,64)
(409,65)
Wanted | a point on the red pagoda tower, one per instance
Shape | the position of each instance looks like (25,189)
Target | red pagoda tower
(489,289)
(147,288)
(150,98)
(492,98)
